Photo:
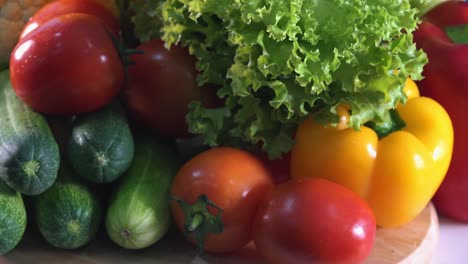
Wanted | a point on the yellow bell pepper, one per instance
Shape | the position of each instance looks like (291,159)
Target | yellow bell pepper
(397,174)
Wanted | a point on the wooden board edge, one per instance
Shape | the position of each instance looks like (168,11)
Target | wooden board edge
(425,252)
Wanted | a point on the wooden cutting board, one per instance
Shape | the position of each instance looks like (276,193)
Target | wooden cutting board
(412,243)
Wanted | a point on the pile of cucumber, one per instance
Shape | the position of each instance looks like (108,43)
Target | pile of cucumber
(58,163)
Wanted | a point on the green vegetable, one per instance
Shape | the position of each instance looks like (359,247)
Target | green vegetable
(139,215)
(146,22)
(101,145)
(12,218)
(276,62)
(69,213)
(29,154)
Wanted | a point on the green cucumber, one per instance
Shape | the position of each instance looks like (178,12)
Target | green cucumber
(12,218)
(101,146)
(29,154)
(68,215)
(138,215)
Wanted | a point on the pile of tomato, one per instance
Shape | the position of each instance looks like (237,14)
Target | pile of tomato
(81,69)
(308,220)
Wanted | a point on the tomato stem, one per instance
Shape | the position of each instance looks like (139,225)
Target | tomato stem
(128,52)
(197,220)
(123,51)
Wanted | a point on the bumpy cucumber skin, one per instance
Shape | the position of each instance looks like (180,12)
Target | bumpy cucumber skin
(29,154)
(101,147)
(138,215)
(68,214)
(12,218)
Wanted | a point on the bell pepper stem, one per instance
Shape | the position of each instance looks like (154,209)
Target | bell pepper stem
(391,122)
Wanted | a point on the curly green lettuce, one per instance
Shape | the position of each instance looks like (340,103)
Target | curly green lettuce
(276,62)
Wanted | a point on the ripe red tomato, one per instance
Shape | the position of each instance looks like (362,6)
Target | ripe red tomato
(67,66)
(162,83)
(63,7)
(313,220)
(235,181)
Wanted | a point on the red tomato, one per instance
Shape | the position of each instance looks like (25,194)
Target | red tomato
(67,66)
(161,84)
(235,181)
(63,7)
(313,220)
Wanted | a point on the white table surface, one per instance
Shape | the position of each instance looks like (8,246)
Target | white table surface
(452,246)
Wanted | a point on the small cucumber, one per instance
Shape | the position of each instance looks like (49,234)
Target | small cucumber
(12,218)
(29,154)
(68,214)
(101,146)
(139,215)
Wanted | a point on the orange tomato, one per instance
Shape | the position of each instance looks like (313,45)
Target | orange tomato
(235,181)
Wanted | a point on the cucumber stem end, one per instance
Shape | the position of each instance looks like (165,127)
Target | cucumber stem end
(125,233)
(31,167)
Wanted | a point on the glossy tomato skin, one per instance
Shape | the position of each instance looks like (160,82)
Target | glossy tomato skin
(63,7)
(235,181)
(313,220)
(67,66)
(162,83)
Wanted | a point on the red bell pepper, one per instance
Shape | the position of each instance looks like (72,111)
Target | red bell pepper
(443,35)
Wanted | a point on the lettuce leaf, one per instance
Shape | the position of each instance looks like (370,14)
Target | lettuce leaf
(278,61)
(147,21)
